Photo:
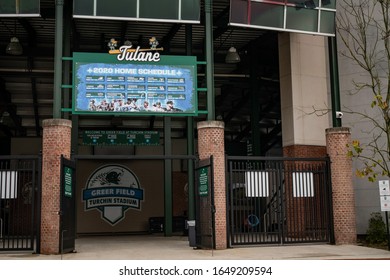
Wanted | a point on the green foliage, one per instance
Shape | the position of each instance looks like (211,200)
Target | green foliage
(369,170)
(376,233)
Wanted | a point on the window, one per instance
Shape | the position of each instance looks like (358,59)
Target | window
(24,8)
(186,11)
(301,16)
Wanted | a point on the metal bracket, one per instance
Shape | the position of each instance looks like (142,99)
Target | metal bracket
(1,229)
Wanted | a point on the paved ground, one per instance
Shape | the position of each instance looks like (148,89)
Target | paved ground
(154,247)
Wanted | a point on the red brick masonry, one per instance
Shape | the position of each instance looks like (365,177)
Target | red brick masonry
(343,194)
(56,142)
(211,142)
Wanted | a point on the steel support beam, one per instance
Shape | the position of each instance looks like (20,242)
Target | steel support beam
(334,81)
(168,209)
(57,95)
(209,59)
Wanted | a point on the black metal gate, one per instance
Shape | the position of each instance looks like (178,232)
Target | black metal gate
(68,206)
(205,209)
(279,200)
(20,196)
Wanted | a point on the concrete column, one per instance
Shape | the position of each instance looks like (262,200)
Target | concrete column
(211,142)
(56,142)
(342,188)
(303,89)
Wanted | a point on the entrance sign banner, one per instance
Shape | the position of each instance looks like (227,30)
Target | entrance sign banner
(121,137)
(183,11)
(104,85)
(112,190)
(310,17)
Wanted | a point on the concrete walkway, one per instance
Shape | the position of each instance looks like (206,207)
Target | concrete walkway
(154,247)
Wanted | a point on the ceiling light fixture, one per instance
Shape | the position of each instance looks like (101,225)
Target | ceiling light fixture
(14,47)
(232,56)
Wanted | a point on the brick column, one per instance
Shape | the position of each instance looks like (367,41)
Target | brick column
(342,189)
(56,142)
(211,142)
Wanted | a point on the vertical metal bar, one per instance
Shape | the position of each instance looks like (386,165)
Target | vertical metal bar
(301,209)
(313,213)
(179,15)
(255,108)
(235,201)
(33,210)
(321,210)
(212,204)
(209,59)
(324,206)
(229,201)
(20,174)
(62,210)
(75,134)
(94,7)
(17,6)
(330,201)
(1,202)
(58,59)
(388,232)
(334,80)
(246,209)
(282,200)
(67,53)
(228,206)
(190,138)
(138,8)
(239,202)
(37,222)
(11,211)
(167,178)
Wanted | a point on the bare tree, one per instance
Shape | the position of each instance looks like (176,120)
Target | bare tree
(364,28)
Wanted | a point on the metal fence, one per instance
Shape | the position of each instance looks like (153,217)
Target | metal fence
(204,201)
(279,200)
(20,189)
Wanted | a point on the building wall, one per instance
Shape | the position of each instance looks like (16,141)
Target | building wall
(366,193)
